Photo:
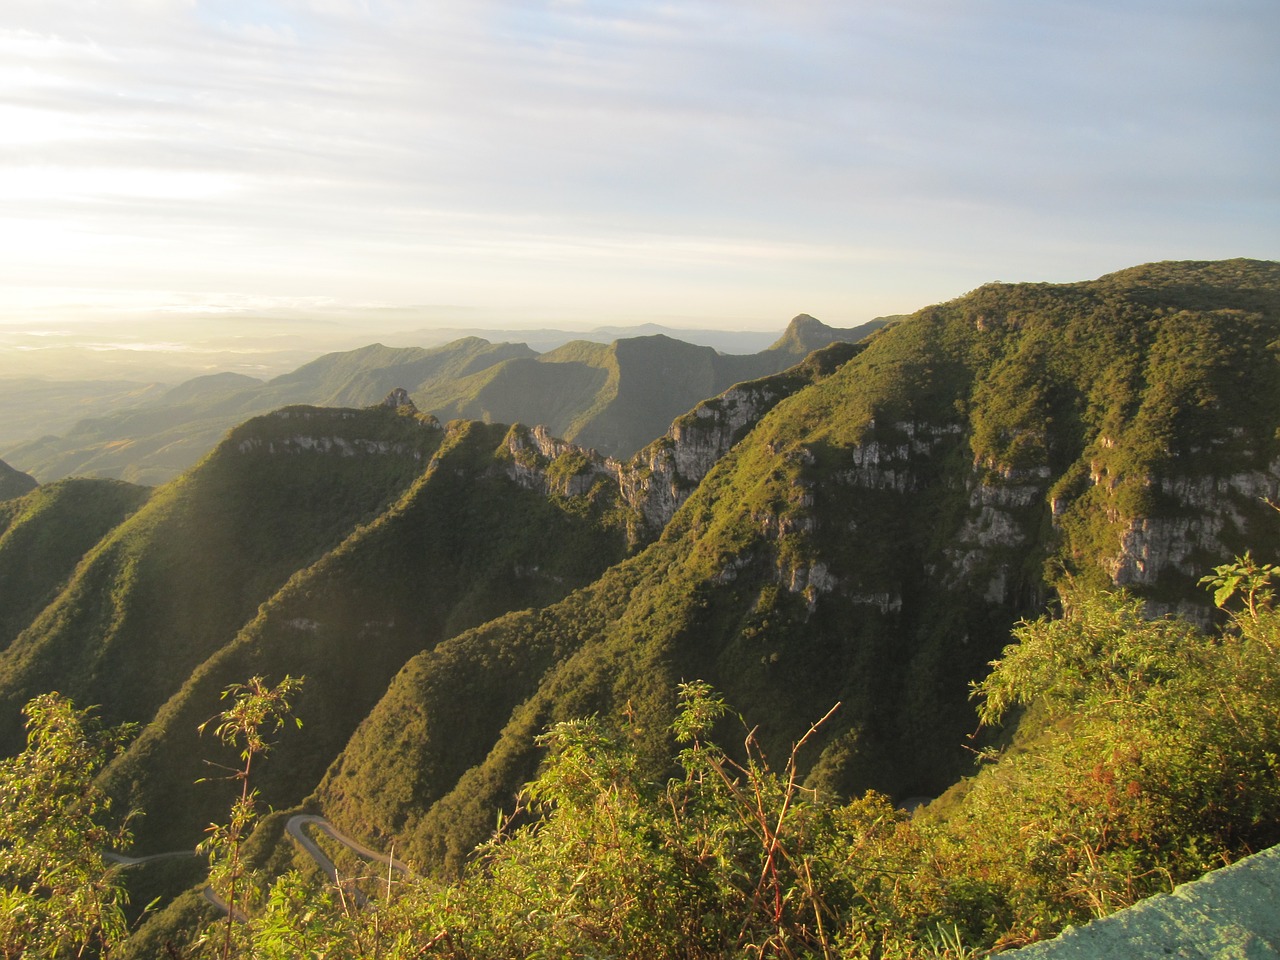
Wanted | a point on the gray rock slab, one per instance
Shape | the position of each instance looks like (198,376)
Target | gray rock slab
(1229,914)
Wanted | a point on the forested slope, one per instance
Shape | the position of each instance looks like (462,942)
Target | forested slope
(173,583)
(460,545)
(43,536)
(873,539)
(863,528)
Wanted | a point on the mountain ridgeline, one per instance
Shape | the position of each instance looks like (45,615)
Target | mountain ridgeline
(615,397)
(872,539)
(863,527)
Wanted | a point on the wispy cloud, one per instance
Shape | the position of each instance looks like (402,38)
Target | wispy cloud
(493,152)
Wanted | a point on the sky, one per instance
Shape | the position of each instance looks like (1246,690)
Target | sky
(704,162)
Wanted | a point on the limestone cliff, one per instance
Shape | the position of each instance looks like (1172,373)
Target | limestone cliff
(656,482)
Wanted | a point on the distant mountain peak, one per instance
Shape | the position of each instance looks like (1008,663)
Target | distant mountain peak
(806,333)
(803,321)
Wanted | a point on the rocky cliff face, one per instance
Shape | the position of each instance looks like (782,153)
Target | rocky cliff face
(553,467)
(1189,522)
(654,483)
(1002,509)
(657,481)
(1004,513)
(1203,506)
(340,432)
(339,446)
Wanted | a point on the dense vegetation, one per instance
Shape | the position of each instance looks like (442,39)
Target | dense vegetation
(1145,755)
(886,516)
(459,546)
(871,541)
(169,586)
(44,534)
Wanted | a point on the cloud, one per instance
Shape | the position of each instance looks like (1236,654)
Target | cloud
(231,143)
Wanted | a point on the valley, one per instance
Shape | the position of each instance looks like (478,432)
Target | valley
(464,547)
(615,396)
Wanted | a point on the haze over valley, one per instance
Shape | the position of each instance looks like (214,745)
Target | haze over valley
(575,478)
(857,517)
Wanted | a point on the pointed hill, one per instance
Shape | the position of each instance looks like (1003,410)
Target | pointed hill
(870,541)
(805,334)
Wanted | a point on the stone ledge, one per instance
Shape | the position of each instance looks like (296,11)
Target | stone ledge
(1227,914)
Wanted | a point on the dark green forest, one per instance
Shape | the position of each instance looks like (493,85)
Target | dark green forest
(675,706)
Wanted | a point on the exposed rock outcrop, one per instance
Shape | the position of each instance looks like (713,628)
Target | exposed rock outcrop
(1202,507)
(550,466)
(658,480)
(397,398)
(655,482)
(331,431)
(341,446)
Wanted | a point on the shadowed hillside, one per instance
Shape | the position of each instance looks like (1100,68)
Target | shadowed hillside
(169,586)
(45,534)
(14,483)
(616,398)
(462,544)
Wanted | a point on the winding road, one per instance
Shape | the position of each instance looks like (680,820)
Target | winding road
(295,826)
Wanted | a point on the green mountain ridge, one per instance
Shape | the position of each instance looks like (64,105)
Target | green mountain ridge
(573,390)
(874,538)
(863,527)
(461,545)
(171,584)
(43,536)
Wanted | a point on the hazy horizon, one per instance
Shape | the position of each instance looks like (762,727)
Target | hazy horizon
(155,348)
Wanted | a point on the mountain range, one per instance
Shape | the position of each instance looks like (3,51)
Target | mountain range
(863,527)
(614,396)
